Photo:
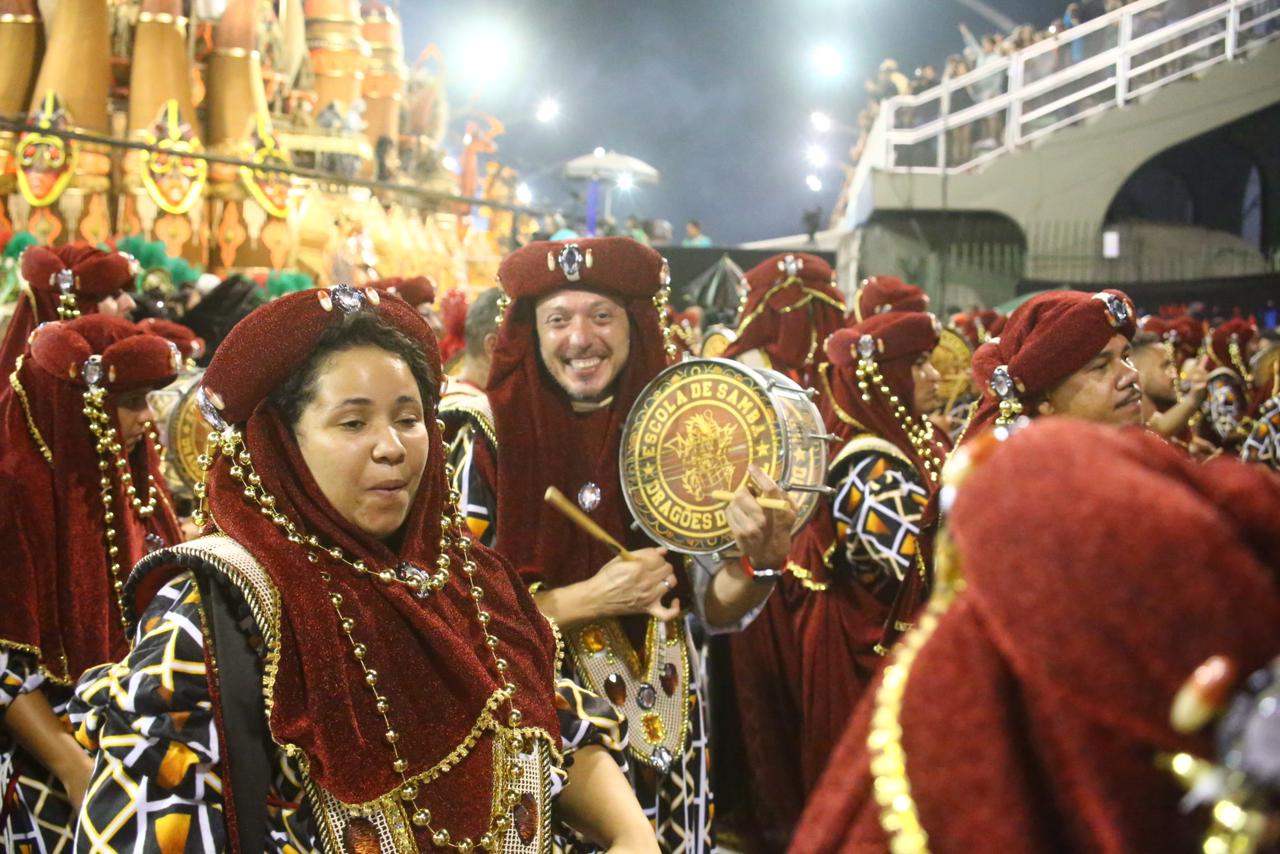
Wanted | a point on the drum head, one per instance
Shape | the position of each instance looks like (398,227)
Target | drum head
(716,340)
(693,431)
(952,358)
(184,430)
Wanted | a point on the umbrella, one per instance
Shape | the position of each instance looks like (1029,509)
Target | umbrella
(719,290)
(611,164)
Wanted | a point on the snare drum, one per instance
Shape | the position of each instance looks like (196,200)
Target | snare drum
(694,430)
(952,358)
(183,431)
(716,340)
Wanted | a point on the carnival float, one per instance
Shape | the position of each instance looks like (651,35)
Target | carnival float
(251,137)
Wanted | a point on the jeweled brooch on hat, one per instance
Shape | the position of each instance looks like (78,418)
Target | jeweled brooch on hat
(571,260)
(867,348)
(791,265)
(1006,388)
(210,406)
(348,299)
(92,371)
(1118,313)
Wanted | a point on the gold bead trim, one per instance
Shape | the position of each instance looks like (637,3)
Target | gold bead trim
(26,411)
(919,434)
(111,455)
(890,784)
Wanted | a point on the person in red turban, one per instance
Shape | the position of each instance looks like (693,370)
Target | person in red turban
(864,557)
(1168,403)
(878,294)
(1060,353)
(189,344)
(859,569)
(366,678)
(979,326)
(792,306)
(1030,708)
(579,341)
(81,499)
(64,282)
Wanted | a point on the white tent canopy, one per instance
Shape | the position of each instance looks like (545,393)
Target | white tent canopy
(611,165)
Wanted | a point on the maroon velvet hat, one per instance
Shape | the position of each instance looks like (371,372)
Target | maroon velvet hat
(892,335)
(878,294)
(1237,331)
(414,290)
(617,265)
(237,381)
(77,268)
(110,352)
(188,343)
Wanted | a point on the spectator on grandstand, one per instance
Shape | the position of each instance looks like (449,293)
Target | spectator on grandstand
(694,236)
(987,53)
(959,139)
(892,81)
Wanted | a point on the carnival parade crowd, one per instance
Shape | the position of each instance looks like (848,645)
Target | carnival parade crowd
(1027,601)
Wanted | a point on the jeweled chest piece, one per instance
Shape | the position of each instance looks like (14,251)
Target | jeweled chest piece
(65,280)
(154,542)
(589,496)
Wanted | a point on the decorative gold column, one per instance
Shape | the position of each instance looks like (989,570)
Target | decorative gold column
(250,208)
(64,185)
(163,191)
(21,44)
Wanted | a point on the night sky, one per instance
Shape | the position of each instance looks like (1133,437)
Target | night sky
(714,93)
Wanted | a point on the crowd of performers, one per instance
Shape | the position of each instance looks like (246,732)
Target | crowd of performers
(1036,609)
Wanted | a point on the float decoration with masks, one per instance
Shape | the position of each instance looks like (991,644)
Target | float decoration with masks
(246,136)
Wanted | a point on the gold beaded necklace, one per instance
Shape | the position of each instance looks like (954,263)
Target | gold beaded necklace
(919,435)
(111,455)
(230,443)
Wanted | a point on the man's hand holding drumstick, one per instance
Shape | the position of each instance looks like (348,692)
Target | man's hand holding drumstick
(634,582)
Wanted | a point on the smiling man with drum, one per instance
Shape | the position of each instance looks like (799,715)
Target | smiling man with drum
(579,341)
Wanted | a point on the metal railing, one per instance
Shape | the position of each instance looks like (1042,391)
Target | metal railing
(1108,62)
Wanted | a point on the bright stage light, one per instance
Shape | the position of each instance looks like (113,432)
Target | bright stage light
(548,110)
(821,121)
(814,183)
(524,194)
(827,61)
(817,156)
(626,181)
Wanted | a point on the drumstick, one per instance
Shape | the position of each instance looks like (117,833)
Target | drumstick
(556,499)
(767,503)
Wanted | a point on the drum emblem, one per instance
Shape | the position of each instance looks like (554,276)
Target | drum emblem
(703,450)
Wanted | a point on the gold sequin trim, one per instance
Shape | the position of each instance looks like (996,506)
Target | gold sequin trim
(805,577)
(890,784)
(26,411)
